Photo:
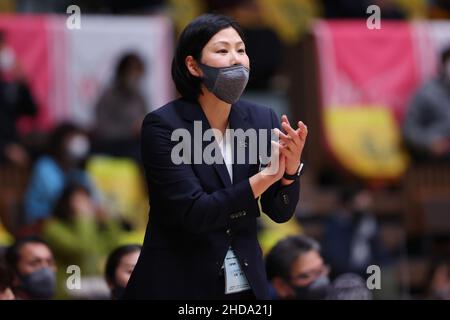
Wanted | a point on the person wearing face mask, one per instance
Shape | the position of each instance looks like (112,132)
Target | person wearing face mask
(351,240)
(426,127)
(296,270)
(201,239)
(120,111)
(34,268)
(119,266)
(62,164)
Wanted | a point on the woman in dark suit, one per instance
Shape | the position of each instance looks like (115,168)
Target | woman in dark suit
(201,239)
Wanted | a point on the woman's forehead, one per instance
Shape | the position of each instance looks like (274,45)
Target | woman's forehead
(226,36)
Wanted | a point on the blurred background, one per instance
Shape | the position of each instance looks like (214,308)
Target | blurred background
(376,187)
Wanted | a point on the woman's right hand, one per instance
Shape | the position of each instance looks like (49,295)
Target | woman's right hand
(261,181)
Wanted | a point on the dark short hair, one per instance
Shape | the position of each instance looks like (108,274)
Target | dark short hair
(56,141)
(191,43)
(13,252)
(281,257)
(127,62)
(63,208)
(114,258)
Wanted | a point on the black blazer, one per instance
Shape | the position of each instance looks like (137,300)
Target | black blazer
(196,213)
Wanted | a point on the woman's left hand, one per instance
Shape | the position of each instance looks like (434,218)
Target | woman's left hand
(292,143)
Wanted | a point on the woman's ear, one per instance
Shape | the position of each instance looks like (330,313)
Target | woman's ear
(193,67)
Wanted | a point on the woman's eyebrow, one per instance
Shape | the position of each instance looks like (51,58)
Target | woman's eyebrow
(227,43)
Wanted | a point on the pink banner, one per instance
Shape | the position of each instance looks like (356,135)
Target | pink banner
(367,78)
(360,66)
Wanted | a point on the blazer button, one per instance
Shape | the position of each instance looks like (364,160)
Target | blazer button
(246,263)
(286,199)
(228,232)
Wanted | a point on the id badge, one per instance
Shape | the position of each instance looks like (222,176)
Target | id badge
(235,280)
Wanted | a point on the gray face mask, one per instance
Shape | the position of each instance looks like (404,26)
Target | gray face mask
(40,284)
(78,148)
(317,290)
(226,83)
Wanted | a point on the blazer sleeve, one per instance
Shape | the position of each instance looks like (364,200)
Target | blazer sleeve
(179,192)
(279,202)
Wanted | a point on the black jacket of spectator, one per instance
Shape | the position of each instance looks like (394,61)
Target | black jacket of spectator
(15,101)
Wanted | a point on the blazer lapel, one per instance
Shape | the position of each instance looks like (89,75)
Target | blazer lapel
(193,112)
(238,120)
(220,168)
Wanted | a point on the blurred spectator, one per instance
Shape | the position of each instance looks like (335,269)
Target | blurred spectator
(296,269)
(34,269)
(351,238)
(349,286)
(389,9)
(265,48)
(120,111)
(427,122)
(119,266)
(15,101)
(6,279)
(358,9)
(439,280)
(64,164)
(80,234)
(345,8)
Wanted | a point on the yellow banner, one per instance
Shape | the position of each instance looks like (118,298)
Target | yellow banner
(365,140)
